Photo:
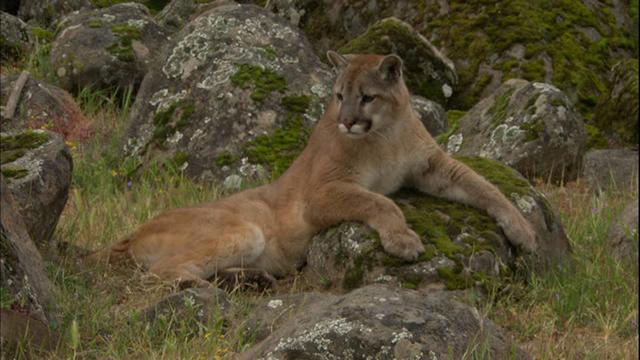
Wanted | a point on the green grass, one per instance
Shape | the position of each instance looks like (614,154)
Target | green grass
(588,309)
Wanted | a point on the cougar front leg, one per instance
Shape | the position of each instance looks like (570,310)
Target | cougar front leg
(446,177)
(343,201)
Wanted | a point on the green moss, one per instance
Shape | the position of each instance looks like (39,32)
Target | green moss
(280,148)
(533,70)
(354,274)
(14,173)
(170,119)
(499,108)
(15,146)
(6,299)
(534,130)
(502,176)
(121,48)
(390,36)
(41,34)
(263,81)
(179,158)
(453,119)
(595,138)
(296,104)
(454,278)
(270,53)
(225,159)
(95,23)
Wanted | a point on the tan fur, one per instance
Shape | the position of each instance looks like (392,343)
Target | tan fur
(340,176)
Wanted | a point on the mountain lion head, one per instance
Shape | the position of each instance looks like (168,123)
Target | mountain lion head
(369,92)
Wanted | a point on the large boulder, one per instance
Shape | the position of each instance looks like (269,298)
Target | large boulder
(26,294)
(623,234)
(36,165)
(428,72)
(617,112)
(377,322)
(615,169)
(47,12)
(530,126)
(178,13)
(464,246)
(236,93)
(15,37)
(43,105)
(569,45)
(106,48)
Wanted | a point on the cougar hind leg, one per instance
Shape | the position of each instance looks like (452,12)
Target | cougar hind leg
(236,246)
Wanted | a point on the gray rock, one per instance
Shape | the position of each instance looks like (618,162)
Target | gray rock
(37,165)
(15,37)
(235,93)
(464,246)
(22,272)
(205,305)
(623,234)
(107,48)
(47,12)
(530,126)
(611,169)
(381,322)
(177,13)
(44,105)
(432,115)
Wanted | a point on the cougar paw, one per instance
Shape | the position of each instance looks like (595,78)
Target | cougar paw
(406,244)
(520,233)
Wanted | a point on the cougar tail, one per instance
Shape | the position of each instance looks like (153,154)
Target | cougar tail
(111,254)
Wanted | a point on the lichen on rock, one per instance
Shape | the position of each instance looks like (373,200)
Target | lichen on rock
(254,90)
(528,125)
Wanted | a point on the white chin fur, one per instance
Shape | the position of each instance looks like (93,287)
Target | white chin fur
(356,131)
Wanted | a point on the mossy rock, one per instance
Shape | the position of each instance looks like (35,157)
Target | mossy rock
(428,72)
(241,110)
(570,44)
(617,113)
(36,165)
(106,48)
(528,125)
(464,246)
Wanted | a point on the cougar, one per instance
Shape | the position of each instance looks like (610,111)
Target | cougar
(368,144)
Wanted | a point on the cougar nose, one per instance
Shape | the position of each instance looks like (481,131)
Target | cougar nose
(349,123)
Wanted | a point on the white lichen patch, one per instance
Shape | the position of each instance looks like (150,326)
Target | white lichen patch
(232,182)
(137,23)
(274,304)
(447,91)
(249,37)
(403,334)
(318,336)
(503,138)
(525,202)
(162,99)
(175,137)
(544,87)
(454,143)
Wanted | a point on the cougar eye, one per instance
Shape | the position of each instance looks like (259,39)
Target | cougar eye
(339,96)
(367,99)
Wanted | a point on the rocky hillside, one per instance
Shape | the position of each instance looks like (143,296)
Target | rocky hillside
(112,112)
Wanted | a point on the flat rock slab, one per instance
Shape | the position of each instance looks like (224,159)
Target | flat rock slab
(381,322)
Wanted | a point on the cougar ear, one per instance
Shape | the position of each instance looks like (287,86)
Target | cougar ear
(337,60)
(390,68)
